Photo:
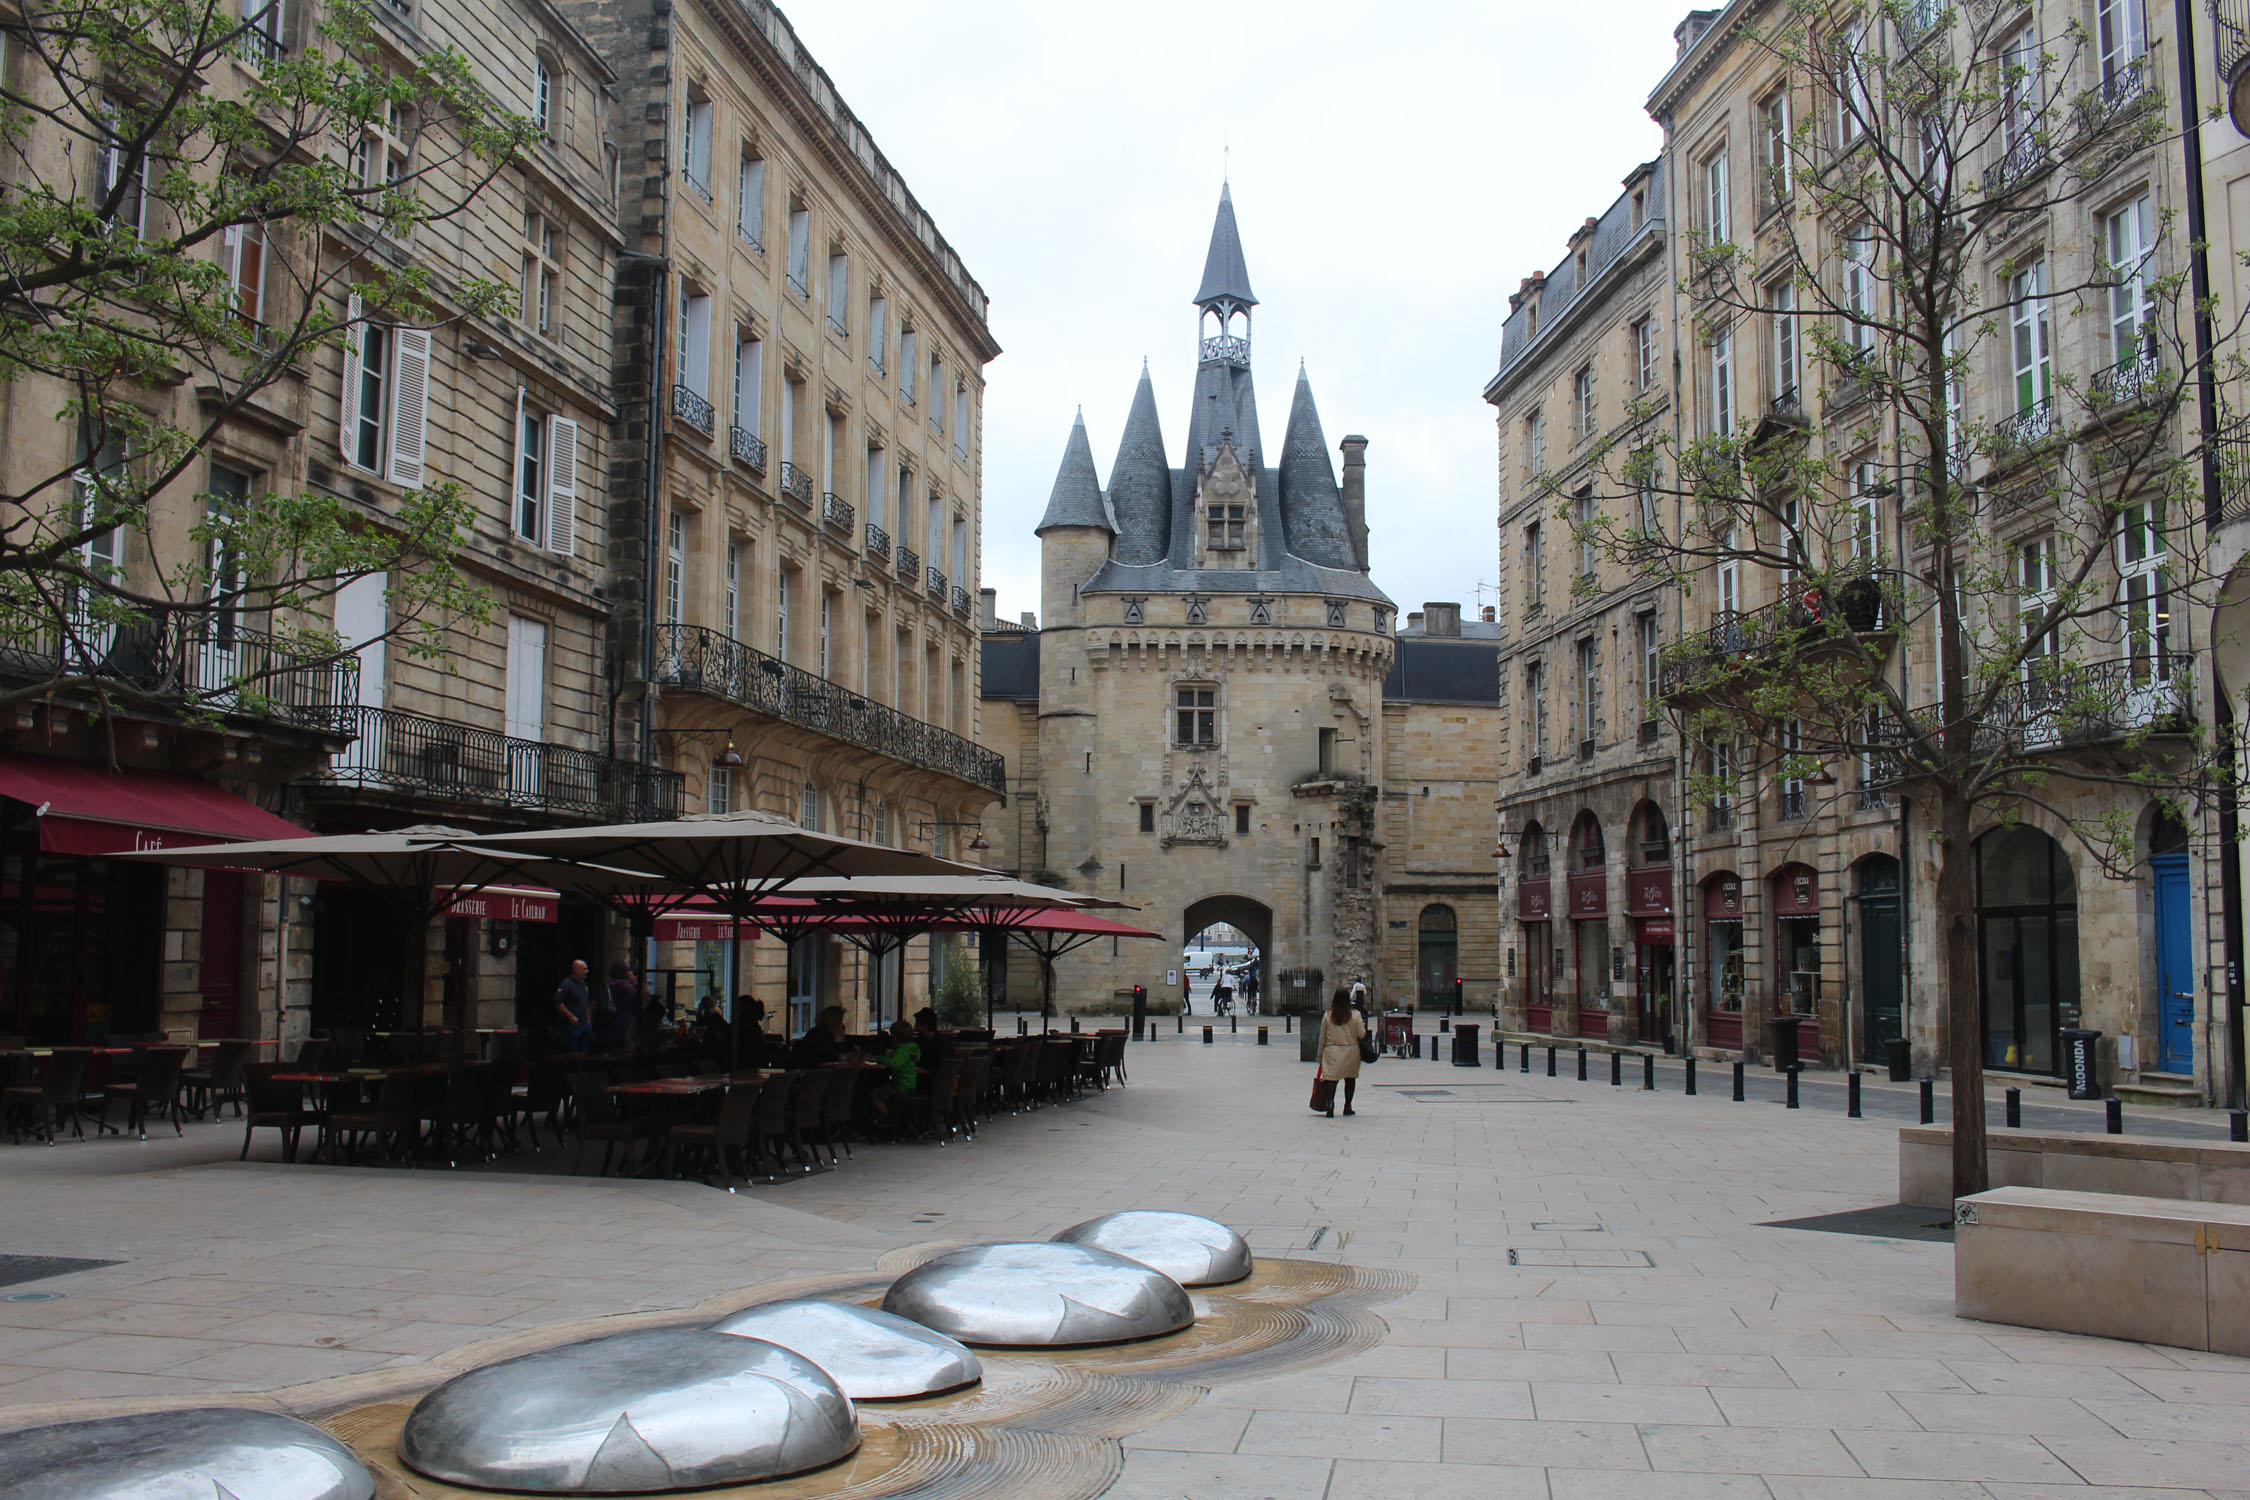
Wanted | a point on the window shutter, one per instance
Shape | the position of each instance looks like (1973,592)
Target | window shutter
(410,407)
(355,338)
(562,485)
(513,489)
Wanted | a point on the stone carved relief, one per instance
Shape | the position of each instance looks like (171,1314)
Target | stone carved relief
(1194,815)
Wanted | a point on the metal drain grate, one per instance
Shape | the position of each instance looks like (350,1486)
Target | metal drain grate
(17,1269)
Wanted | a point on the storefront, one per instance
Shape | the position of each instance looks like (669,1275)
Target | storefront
(1535,922)
(2027,948)
(1589,932)
(1722,962)
(1648,905)
(1793,899)
(1881,954)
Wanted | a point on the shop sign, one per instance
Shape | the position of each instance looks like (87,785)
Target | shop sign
(1648,892)
(1656,929)
(1534,901)
(1589,894)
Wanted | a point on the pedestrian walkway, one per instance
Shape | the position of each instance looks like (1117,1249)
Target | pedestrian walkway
(1601,1303)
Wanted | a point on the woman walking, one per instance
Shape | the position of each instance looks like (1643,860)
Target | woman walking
(1340,1033)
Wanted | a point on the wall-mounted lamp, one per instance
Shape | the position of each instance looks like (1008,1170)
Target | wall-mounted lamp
(479,349)
(976,844)
(728,759)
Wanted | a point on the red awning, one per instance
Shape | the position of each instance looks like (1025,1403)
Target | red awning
(83,809)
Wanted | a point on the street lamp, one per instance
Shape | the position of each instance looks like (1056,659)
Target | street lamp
(976,844)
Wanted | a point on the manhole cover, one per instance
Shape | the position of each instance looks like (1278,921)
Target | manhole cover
(1613,1260)
(17,1269)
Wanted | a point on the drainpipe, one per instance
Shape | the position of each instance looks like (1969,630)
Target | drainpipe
(652,537)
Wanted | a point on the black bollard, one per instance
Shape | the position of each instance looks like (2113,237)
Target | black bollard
(1261,1036)
(1206,1036)
(2015,1109)
(1523,1058)
(2238,1125)
(1074,1026)
(1738,1083)
(1851,1096)
(1581,1062)
(1445,1023)
(2114,1109)
(1021,1030)
(1179,1023)
(1648,1072)
(1234,1024)
(1550,1059)
(1288,1023)
(1792,1097)
(1617,1070)
(1929,1101)
(1690,1061)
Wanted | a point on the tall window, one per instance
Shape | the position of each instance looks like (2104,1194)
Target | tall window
(1644,354)
(1867,509)
(1534,443)
(695,342)
(1730,577)
(960,419)
(2121,34)
(675,566)
(839,291)
(531,483)
(1793,785)
(381,155)
(695,147)
(720,796)
(1717,221)
(1722,784)
(808,808)
(243,247)
(1773,146)
(263,36)
(734,591)
(2144,592)
(1652,666)
(1535,709)
(1859,292)
(960,552)
(2019,89)
(1782,298)
(2132,333)
(933,540)
(750,199)
(1584,512)
(908,342)
(1197,715)
(1722,385)
(937,395)
(119,170)
(749,381)
(2029,338)
(542,276)
(878,309)
(1534,569)
(781,613)
(1854,109)
(542,96)
(2035,595)
(826,617)
(800,250)
(1582,400)
(1589,690)
(878,482)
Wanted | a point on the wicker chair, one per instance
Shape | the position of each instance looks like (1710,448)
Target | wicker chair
(725,1141)
(154,1086)
(805,1108)
(61,1087)
(393,1122)
(599,1119)
(273,1106)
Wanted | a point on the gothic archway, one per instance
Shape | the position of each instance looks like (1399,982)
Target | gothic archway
(1254,920)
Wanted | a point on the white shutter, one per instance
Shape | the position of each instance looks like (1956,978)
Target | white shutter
(410,406)
(355,338)
(513,487)
(562,485)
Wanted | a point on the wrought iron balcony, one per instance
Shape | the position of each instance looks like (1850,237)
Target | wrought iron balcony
(878,542)
(192,664)
(960,598)
(2130,381)
(2231,449)
(2063,704)
(450,762)
(2031,426)
(909,563)
(1918,20)
(839,327)
(1719,817)
(2231,21)
(702,188)
(1792,801)
(749,447)
(836,511)
(2025,160)
(694,659)
(796,483)
(693,409)
(1704,665)
(937,584)
(1227,349)
(2127,89)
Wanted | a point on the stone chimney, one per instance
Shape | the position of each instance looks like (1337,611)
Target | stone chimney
(1491,615)
(1031,619)
(988,608)
(1355,494)
(1690,31)
(1413,619)
(1441,619)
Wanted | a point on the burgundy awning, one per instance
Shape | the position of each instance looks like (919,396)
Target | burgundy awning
(84,809)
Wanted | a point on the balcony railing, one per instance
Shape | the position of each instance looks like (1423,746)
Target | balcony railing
(2130,381)
(199,663)
(836,511)
(937,584)
(693,409)
(796,483)
(960,598)
(2231,449)
(692,658)
(878,541)
(1719,818)
(839,327)
(459,763)
(1227,349)
(1799,618)
(909,563)
(2034,424)
(749,447)
(2024,160)
(1792,802)
(2063,704)
(2231,21)
(1918,20)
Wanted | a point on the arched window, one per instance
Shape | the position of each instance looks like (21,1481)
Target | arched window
(1592,853)
(1652,836)
(1534,853)
(882,826)
(2027,947)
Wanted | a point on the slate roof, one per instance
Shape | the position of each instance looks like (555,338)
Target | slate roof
(1011,666)
(1140,483)
(1225,276)
(1077,498)
(1443,669)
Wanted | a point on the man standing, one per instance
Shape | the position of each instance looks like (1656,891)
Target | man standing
(574,1007)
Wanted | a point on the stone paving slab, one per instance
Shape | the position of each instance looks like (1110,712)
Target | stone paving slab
(1651,1337)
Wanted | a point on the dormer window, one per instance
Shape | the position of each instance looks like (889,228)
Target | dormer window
(1226,527)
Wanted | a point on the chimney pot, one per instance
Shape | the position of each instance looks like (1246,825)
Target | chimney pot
(1491,614)
(1413,619)
(988,607)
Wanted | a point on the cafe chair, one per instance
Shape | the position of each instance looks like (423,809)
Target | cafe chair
(771,1135)
(968,1095)
(393,1122)
(61,1087)
(838,1112)
(599,1119)
(155,1085)
(209,1088)
(805,1112)
(273,1106)
(725,1142)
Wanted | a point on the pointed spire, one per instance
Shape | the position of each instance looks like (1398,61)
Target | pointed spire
(1312,507)
(1077,497)
(1140,483)
(1225,277)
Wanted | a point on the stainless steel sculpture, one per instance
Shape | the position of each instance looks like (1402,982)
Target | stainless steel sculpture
(873,1355)
(1192,1250)
(181,1455)
(634,1413)
(1033,1294)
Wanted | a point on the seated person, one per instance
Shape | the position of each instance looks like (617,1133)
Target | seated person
(751,1042)
(936,1047)
(823,1042)
(903,1061)
(711,1027)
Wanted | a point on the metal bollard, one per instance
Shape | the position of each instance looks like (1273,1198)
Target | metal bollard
(1648,1072)
(1234,1024)
(1288,1024)
(1206,1036)
(1074,1026)
(1179,1023)
(1738,1083)
(1445,1023)
(1524,1059)
(2113,1108)
(2238,1125)
(2015,1109)
(1792,1096)
(1929,1101)
(1550,1059)
(1690,1061)
(1617,1070)
(1851,1096)
(1021,1028)
(1261,1036)
(1581,1062)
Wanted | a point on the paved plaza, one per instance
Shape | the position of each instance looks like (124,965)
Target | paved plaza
(1598,1306)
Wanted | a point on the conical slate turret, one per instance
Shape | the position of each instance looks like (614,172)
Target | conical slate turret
(1312,507)
(1077,498)
(1225,277)
(1140,484)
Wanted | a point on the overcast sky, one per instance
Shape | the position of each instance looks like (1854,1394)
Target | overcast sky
(1397,170)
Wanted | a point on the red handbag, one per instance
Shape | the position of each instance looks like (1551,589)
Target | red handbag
(1323,1092)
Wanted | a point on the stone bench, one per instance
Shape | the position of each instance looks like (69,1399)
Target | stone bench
(2111,1265)
(2196,1171)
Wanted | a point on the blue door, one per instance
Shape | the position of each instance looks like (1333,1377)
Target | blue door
(2175,980)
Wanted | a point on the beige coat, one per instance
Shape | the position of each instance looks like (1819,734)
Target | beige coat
(1339,1046)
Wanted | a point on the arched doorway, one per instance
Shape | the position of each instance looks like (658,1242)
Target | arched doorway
(1241,958)
(1648,902)
(1882,995)
(1589,923)
(1439,957)
(1722,960)
(2174,1010)
(2027,948)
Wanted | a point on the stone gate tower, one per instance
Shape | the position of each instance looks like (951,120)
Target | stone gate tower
(1210,675)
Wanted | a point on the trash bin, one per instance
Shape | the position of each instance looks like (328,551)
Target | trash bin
(2081,1064)
(1308,1039)
(1464,1045)
(1784,1030)
(1901,1057)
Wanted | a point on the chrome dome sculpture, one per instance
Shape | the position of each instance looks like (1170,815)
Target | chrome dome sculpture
(634,1413)
(1031,1295)
(873,1355)
(181,1455)
(1192,1250)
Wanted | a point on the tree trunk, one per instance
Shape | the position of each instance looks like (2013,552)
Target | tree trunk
(1964,1014)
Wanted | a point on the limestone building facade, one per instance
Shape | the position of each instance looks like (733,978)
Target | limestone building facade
(1198,724)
